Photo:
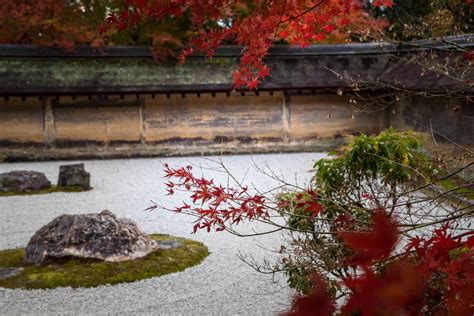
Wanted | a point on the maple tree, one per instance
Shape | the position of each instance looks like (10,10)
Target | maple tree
(253,25)
(200,26)
(358,237)
(434,279)
(257,25)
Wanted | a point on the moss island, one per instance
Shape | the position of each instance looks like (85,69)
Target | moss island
(50,189)
(74,272)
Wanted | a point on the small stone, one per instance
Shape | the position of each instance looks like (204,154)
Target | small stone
(100,236)
(23,181)
(9,272)
(169,244)
(73,176)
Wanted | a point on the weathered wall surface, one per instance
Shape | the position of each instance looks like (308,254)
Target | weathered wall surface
(22,121)
(97,120)
(119,102)
(220,118)
(178,124)
(261,122)
(447,120)
(323,116)
(33,70)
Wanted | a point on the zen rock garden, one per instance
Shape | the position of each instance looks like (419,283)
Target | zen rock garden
(91,249)
(87,250)
(72,178)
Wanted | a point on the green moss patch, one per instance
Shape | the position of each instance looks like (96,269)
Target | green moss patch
(89,273)
(50,189)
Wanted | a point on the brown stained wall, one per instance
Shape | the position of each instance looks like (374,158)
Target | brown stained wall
(220,118)
(323,116)
(204,120)
(97,120)
(22,121)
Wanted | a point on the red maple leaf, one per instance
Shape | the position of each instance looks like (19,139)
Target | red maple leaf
(399,287)
(253,83)
(237,79)
(264,71)
(317,302)
(388,3)
(376,243)
(314,208)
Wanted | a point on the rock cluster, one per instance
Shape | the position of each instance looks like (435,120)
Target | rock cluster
(23,181)
(73,176)
(96,236)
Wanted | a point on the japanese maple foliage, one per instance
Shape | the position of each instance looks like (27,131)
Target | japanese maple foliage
(430,276)
(254,25)
(215,206)
(317,302)
(433,276)
(375,244)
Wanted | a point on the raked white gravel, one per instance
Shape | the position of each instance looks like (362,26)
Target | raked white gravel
(221,285)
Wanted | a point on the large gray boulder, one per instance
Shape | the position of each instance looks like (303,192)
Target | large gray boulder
(23,181)
(73,176)
(97,236)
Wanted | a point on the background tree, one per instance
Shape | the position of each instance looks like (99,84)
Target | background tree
(48,22)
(65,24)
(424,19)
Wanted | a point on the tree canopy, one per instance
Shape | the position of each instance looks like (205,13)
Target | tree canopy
(192,26)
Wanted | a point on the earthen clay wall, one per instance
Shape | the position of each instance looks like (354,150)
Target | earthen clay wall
(218,117)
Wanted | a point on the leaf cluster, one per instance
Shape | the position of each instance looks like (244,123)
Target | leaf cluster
(370,175)
(427,18)
(391,157)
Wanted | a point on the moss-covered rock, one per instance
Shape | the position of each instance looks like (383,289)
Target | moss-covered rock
(23,181)
(90,273)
